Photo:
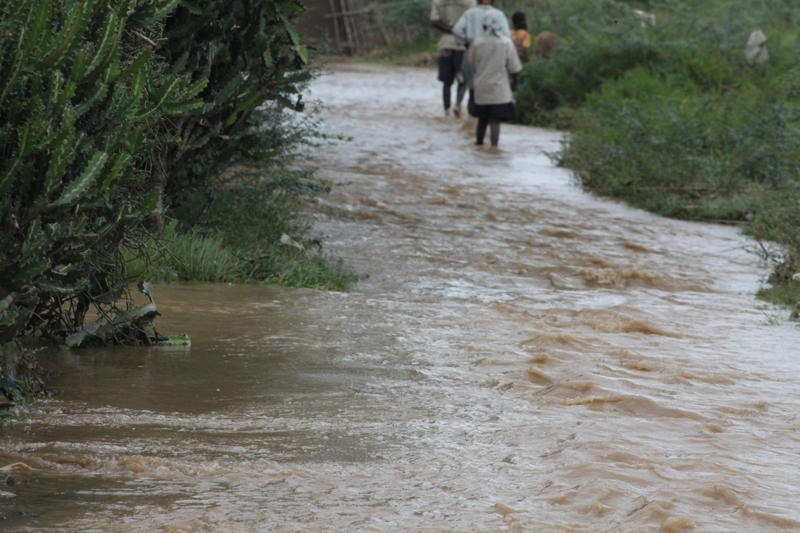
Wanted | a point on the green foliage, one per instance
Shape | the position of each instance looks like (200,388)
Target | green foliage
(106,104)
(187,256)
(646,140)
(776,221)
(575,72)
(259,216)
(315,271)
(405,13)
(599,41)
(74,141)
(409,52)
(672,118)
(254,62)
(195,256)
(250,228)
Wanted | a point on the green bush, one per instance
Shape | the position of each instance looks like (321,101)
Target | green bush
(255,66)
(574,72)
(413,16)
(776,221)
(80,100)
(671,117)
(260,217)
(105,106)
(108,111)
(651,142)
(599,41)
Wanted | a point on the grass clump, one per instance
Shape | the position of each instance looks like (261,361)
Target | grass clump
(250,229)
(173,255)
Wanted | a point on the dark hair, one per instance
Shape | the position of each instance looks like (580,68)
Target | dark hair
(518,20)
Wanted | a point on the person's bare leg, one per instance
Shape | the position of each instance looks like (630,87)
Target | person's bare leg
(494,132)
(461,90)
(480,131)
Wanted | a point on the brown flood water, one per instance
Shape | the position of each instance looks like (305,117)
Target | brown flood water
(520,356)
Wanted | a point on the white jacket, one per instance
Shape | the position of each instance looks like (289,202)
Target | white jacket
(470,26)
(493,58)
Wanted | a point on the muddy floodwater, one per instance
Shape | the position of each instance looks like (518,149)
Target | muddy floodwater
(518,356)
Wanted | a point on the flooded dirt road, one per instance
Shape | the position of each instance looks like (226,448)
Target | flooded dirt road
(518,356)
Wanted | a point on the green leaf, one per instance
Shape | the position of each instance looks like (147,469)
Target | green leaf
(247,104)
(153,13)
(297,43)
(84,181)
(24,142)
(136,74)
(107,42)
(67,37)
(121,162)
(160,99)
(9,77)
(100,92)
(59,158)
(268,61)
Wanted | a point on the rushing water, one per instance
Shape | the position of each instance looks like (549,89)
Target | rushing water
(518,356)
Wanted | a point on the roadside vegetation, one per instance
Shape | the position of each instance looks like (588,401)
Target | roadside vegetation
(405,34)
(666,112)
(145,141)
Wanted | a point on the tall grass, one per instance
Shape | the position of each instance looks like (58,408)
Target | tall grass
(253,228)
(187,256)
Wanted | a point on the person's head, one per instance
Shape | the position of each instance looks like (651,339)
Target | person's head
(518,21)
(487,2)
(493,23)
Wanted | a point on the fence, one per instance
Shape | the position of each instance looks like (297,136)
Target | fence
(356,25)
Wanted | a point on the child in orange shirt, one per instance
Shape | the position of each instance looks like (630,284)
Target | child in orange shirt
(520,35)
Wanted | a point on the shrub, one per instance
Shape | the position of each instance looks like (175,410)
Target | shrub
(105,105)
(252,229)
(703,42)
(409,18)
(79,101)
(599,41)
(646,139)
(255,66)
(261,218)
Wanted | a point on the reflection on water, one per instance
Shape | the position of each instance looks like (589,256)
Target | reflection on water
(519,356)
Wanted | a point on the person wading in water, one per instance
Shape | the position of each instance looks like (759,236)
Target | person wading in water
(468,28)
(496,64)
(445,13)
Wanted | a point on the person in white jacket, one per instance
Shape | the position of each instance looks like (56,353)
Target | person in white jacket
(470,27)
(495,62)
